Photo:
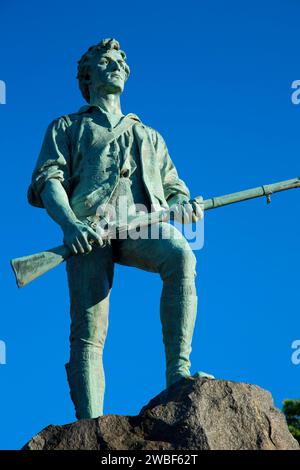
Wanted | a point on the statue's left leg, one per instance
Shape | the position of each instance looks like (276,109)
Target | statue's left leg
(170,255)
(178,306)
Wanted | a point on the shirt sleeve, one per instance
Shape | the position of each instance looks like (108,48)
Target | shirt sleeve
(53,161)
(172,184)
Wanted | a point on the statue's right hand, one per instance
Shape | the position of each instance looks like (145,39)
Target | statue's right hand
(79,237)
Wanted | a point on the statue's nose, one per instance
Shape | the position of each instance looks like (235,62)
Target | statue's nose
(116,65)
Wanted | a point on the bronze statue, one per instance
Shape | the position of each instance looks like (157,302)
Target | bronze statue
(90,161)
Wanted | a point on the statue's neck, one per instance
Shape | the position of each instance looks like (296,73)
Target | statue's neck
(108,103)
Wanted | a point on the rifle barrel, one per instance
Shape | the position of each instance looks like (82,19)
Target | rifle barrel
(265,190)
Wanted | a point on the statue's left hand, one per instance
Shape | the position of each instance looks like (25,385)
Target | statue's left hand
(187,211)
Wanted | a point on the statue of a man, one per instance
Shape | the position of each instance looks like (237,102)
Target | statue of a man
(90,159)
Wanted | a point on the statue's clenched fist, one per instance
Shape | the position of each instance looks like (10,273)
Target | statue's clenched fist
(79,237)
(186,211)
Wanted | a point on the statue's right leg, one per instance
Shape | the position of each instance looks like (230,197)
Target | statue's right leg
(90,278)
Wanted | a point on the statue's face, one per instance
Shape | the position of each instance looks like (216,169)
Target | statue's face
(108,72)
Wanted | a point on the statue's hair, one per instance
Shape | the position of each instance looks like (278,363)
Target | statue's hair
(84,64)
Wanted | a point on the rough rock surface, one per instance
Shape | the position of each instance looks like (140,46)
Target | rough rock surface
(193,414)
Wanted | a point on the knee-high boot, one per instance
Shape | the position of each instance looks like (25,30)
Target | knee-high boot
(87,383)
(178,309)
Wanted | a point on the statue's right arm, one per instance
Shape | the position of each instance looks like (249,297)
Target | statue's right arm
(50,186)
(77,235)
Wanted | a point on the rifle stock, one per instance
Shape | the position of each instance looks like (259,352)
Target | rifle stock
(28,268)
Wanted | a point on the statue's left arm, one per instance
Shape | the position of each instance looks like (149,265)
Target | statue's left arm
(176,192)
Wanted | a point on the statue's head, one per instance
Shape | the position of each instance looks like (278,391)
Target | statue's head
(102,67)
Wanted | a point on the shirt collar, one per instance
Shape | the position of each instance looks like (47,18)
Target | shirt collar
(88,107)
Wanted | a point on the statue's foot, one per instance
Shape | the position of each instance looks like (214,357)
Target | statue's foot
(197,375)
(203,375)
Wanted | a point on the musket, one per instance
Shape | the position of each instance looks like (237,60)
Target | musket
(28,268)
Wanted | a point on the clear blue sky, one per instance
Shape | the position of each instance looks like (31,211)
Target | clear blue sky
(215,79)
